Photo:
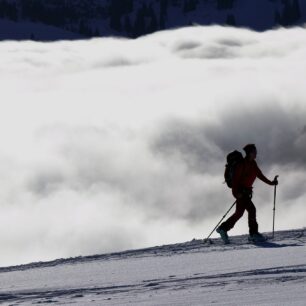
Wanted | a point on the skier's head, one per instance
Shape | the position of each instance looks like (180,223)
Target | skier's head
(250,151)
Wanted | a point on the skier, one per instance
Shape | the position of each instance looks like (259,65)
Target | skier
(244,176)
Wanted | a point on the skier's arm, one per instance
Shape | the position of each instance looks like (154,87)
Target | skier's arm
(236,180)
(263,178)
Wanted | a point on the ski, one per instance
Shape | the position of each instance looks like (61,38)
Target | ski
(255,241)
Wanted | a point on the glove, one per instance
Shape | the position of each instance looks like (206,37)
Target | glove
(275,181)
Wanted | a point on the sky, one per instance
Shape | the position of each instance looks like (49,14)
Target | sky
(113,144)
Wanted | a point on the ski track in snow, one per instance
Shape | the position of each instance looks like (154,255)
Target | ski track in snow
(180,274)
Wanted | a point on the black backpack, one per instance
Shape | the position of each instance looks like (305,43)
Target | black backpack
(233,159)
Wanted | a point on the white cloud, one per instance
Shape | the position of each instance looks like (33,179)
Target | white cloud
(111,144)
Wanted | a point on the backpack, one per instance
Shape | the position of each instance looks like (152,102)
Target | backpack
(233,159)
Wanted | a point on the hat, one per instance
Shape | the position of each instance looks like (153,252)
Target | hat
(249,148)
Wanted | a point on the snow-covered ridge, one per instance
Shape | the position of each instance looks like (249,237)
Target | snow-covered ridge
(195,245)
(271,273)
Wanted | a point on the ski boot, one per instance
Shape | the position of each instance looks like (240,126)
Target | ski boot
(223,235)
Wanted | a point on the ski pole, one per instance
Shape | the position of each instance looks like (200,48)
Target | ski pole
(275,179)
(205,240)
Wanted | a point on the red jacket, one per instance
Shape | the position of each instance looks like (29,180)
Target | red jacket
(245,174)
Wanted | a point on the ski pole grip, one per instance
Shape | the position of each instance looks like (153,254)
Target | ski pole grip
(276,178)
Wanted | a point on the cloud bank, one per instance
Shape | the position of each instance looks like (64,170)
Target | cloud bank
(110,144)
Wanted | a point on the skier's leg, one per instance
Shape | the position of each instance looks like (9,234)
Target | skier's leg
(251,209)
(231,221)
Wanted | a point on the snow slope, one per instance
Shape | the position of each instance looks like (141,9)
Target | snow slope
(191,273)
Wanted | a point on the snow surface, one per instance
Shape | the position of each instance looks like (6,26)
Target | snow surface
(191,273)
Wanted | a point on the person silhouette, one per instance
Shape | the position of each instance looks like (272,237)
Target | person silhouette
(245,174)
